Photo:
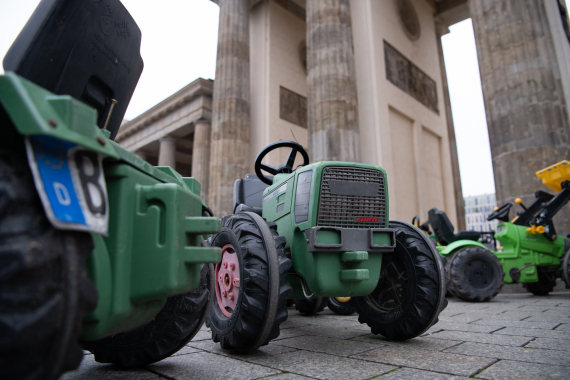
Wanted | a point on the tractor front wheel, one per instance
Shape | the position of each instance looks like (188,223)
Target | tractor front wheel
(476,274)
(411,291)
(251,283)
(341,308)
(311,307)
(174,326)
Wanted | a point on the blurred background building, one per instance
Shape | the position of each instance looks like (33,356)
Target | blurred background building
(364,81)
(477,209)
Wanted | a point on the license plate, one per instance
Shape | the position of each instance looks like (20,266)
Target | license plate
(71,184)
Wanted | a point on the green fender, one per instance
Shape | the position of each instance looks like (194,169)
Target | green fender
(36,111)
(446,250)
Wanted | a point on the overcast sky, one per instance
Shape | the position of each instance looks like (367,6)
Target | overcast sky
(179,39)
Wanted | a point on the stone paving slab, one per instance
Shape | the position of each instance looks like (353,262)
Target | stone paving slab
(416,374)
(452,326)
(269,350)
(322,366)
(327,345)
(550,344)
(563,327)
(535,333)
(530,355)
(428,360)
(514,336)
(522,324)
(502,340)
(425,343)
(510,370)
(91,370)
(209,366)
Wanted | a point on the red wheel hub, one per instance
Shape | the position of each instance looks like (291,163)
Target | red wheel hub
(227,280)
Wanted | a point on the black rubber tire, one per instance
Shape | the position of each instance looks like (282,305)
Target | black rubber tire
(476,274)
(544,285)
(174,326)
(311,307)
(264,286)
(415,270)
(566,269)
(340,308)
(44,288)
(445,261)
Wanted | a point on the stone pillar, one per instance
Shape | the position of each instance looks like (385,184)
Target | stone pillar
(140,154)
(331,82)
(457,190)
(167,152)
(524,102)
(229,152)
(201,156)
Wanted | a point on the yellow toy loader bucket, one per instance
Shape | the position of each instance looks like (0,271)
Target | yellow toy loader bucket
(554,175)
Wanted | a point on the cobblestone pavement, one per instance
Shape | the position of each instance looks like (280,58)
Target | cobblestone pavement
(515,336)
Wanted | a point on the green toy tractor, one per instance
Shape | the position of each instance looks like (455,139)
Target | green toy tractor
(321,230)
(529,250)
(98,249)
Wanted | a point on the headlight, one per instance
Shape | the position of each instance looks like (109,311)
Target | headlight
(501,229)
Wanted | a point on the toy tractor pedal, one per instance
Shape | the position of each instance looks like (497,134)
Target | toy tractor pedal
(332,218)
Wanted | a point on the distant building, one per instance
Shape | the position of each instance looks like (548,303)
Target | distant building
(477,209)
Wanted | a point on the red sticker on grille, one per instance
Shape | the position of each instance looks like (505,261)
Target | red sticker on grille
(359,219)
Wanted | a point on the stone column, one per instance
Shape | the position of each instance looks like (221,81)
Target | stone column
(229,152)
(140,154)
(201,156)
(167,152)
(526,112)
(457,190)
(331,82)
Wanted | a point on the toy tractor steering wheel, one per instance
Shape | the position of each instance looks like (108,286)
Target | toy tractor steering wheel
(502,213)
(287,167)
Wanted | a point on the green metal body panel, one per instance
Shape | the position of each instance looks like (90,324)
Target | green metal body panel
(34,111)
(521,248)
(153,249)
(446,250)
(325,273)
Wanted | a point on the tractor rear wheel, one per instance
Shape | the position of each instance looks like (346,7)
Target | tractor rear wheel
(251,283)
(545,284)
(411,291)
(174,326)
(311,307)
(476,274)
(341,308)
(44,287)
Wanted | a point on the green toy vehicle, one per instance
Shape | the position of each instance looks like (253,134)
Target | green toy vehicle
(319,231)
(530,252)
(98,249)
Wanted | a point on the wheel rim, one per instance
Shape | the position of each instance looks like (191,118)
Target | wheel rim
(479,274)
(227,280)
(392,287)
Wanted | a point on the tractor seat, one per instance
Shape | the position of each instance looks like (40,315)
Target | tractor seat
(443,229)
(248,194)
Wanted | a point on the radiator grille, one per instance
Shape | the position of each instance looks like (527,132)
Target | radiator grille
(342,210)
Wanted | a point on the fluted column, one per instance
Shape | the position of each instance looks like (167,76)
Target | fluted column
(229,150)
(201,156)
(522,90)
(167,152)
(331,82)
